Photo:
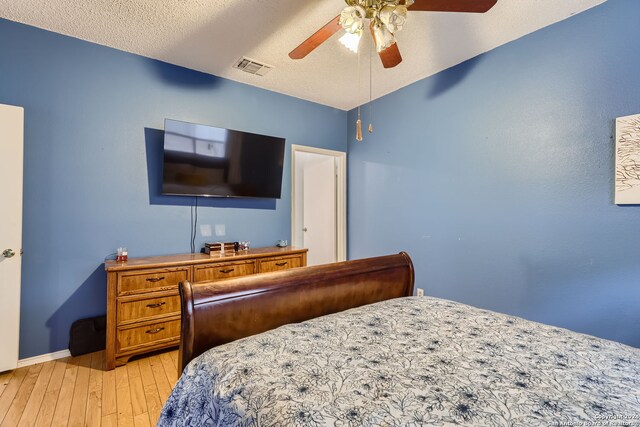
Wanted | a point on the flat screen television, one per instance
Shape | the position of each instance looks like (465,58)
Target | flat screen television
(209,161)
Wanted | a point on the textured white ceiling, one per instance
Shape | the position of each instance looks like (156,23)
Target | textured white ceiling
(210,35)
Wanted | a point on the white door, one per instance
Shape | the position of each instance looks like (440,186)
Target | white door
(319,211)
(11,158)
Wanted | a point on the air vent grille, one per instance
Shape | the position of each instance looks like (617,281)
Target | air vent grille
(252,67)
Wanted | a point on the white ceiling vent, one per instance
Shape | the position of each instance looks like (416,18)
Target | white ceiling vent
(252,67)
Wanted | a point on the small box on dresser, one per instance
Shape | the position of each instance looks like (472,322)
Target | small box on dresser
(143,304)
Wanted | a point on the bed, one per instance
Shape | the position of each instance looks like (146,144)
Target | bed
(346,345)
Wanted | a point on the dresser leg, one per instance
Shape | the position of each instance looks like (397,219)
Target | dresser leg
(122,360)
(109,361)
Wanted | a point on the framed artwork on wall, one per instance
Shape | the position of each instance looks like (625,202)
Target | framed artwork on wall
(627,180)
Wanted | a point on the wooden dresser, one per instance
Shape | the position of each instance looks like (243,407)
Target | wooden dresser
(143,304)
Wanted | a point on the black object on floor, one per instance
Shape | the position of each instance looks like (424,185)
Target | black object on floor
(88,335)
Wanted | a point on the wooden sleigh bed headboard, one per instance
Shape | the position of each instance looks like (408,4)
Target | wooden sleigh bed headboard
(215,313)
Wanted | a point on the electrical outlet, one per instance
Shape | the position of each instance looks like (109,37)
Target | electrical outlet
(205,230)
(220,230)
(420,292)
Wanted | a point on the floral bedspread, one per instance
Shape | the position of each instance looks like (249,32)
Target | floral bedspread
(411,362)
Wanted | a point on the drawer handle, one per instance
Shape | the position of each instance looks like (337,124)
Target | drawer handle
(156,305)
(155,279)
(228,270)
(280,264)
(154,331)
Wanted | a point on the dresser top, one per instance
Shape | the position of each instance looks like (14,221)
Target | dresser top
(199,258)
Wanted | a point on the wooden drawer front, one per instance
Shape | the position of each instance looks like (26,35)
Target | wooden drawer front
(280,263)
(148,334)
(145,280)
(143,309)
(223,271)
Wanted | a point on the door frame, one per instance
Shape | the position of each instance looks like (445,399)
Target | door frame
(341,195)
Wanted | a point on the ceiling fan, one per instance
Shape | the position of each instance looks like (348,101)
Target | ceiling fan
(386,17)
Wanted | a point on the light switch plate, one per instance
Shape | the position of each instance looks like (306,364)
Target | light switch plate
(220,230)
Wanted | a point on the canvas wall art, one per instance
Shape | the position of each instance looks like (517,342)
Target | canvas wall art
(627,180)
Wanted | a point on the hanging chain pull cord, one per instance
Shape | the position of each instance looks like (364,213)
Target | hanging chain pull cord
(370,97)
(358,122)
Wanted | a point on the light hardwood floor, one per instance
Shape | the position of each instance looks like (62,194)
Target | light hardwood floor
(76,391)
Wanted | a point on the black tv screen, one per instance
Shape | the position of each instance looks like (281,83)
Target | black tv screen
(209,161)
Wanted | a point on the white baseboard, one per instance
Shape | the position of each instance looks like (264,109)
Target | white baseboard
(43,358)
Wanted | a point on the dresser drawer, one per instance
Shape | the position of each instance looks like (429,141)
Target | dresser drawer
(223,271)
(143,309)
(151,280)
(280,263)
(148,335)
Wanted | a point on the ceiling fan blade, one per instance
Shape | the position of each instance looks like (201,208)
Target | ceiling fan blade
(390,56)
(473,6)
(316,39)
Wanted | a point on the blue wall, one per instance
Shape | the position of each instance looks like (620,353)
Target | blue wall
(497,177)
(94,118)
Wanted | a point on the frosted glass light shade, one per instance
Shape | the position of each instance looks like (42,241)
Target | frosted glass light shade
(393,17)
(351,41)
(352,19)
(383,37)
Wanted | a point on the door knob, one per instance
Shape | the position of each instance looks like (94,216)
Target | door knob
(304,229)
(8,253)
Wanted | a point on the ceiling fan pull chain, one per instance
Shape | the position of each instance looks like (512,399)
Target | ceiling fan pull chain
(370,97)
(358,122)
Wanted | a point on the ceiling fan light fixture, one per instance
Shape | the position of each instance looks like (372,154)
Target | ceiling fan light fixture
(352,19)
(385,18)
(383,37)
(393,17)
(351,41)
